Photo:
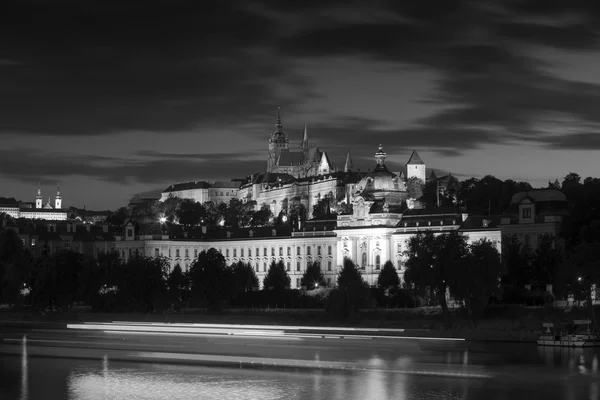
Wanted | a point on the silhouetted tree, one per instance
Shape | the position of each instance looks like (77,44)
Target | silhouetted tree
(244,277)
(430,262)
(277,277)
(388,277)
(475,278)
(211,280)
(313,276)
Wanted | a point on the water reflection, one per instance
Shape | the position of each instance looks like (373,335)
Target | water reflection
(549,373)
(24,371)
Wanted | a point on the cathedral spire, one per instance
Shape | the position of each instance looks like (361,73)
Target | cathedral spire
(57,199)
(278,125)
(348,167)
(39,192)
(305,139)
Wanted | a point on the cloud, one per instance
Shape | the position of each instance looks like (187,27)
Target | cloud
(92,68)
(54,167)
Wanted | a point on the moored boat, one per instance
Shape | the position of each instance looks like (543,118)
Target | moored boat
(574,334)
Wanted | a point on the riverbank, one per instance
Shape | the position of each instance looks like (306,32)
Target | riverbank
(520,324)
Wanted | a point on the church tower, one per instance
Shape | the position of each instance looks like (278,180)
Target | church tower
(57,199)
(305,146)
(38,198)
(415,167)
(348,166)
(277,143)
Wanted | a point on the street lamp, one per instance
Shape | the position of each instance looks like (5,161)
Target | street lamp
(284,218)
(163,220)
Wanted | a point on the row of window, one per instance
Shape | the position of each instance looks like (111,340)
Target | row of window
(242,253)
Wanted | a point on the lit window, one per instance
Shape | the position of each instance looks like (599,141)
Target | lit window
(298,266)
(289,251)
(177,253)
(298,251)
(526,213)
(377,262)
(329,250)
(318,250)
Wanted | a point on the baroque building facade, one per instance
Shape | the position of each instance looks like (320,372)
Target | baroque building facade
(377,230)
(50,211)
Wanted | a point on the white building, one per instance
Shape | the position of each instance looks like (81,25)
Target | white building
(40,211)
(378,230)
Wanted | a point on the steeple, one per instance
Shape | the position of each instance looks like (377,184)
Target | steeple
(38,198)
(348,167)
(278,125)
(305,139)
(415,159)
(380,157)
(57,199)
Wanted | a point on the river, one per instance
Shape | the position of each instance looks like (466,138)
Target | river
(505,371)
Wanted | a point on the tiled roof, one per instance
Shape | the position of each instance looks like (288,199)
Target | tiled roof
(476,222)
(415,159)
(539,195)
(287,158)
(188,186)
(226,184)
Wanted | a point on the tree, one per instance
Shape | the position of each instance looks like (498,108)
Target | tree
(177,283)
(546,260)
(388,277)
(169,207)
(581,269)
(516,258)
(313,277)
(142,283)
(324,206)
(476,277)
(352,292)
(277,277)
(210,278)
(430,260)
(55,279)
(190,212)
(15,263)
(118,217)
(414,188)
(262,217)
(244,277)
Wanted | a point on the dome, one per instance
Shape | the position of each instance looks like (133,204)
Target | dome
(379,180)
(381,183)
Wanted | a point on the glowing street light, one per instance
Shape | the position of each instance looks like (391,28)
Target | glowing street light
(222,222)
(284,218)
(162,220)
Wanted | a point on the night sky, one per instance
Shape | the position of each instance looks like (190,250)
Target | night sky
(111,99)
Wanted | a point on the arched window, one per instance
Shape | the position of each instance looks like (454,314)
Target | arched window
(377,261)
(364,260)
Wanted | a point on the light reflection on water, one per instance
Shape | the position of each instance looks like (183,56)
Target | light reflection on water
(562,373)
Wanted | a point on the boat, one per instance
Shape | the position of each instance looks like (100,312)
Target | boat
(573,334)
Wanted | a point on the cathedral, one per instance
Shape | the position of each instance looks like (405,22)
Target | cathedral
(307,161)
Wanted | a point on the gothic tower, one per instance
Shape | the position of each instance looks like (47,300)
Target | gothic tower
(348,166)
(305,146)
(415,167)
(38,198)
(57,199)
(277,143)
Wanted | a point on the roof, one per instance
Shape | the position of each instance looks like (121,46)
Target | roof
(290,158)
(268,177)
(314,155)
(481,222)
(188,186)
(539,195)
(226,184)
(415,159)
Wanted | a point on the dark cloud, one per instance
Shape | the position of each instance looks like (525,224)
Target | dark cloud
(53,167)
(93,68)
(572,141)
